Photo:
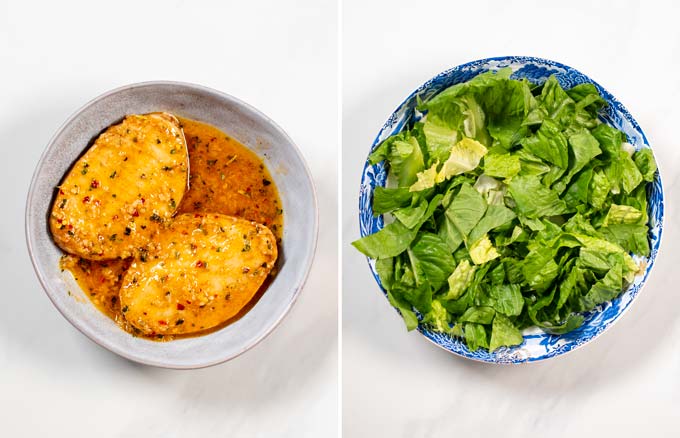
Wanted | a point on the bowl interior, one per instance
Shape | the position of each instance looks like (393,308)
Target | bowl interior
(537,345)
(240,121)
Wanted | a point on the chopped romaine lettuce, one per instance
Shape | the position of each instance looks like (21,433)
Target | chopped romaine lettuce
(514,206)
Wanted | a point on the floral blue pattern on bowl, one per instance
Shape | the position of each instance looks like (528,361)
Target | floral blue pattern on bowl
(537,345)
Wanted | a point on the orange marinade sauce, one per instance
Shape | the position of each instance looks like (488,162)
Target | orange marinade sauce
(225,177)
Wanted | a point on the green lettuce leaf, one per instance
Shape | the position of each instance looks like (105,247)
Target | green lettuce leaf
(533,199)
(495,216)
(425,179)
(610,140)
(410,318)
(439,139)
(406,160)
(387,200)
(466,210)
(385,270)
(598,189)
(506,299)
(459,280)
(394,238)
(549,144)
(539,268)
(391,241)
(606,289)
(623,214)
(502,165)
(465,156)
(584,148)
(559,106)
(644,160)
(630,174)
(475,336)
(480,315)
(482,251)
(504,333)
(438,317)
(631,237)
(412,216)
(435,258)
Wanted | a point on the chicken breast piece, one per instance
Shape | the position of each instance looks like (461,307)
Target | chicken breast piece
(127,183)
(205,269)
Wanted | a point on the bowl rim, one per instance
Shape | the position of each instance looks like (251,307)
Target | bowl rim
(522,58)
(111,346)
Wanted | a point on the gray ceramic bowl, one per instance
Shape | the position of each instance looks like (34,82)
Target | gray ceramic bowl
(239,120)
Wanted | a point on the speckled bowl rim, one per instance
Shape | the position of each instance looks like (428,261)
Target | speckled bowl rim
(105,343)
(424,86)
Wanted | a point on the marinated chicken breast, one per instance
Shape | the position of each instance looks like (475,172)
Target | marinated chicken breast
(204,270)
(118,193)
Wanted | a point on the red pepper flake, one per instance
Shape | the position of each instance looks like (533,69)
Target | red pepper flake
(59,221)
(161,322)
(61,192)
(135,213)
(200,264)
(188,302)
(102,279)
(143,201)
(86,199)
(94,184)
(197,215)
(115,217)
(180,306)
(70,227)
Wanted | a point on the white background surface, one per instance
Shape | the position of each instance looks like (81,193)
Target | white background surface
(626,383)
(56,56)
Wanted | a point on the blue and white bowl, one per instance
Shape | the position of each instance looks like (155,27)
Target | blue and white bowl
(537,345)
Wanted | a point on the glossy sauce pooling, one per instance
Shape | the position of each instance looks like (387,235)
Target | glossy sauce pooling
(100,280)
(225,177)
